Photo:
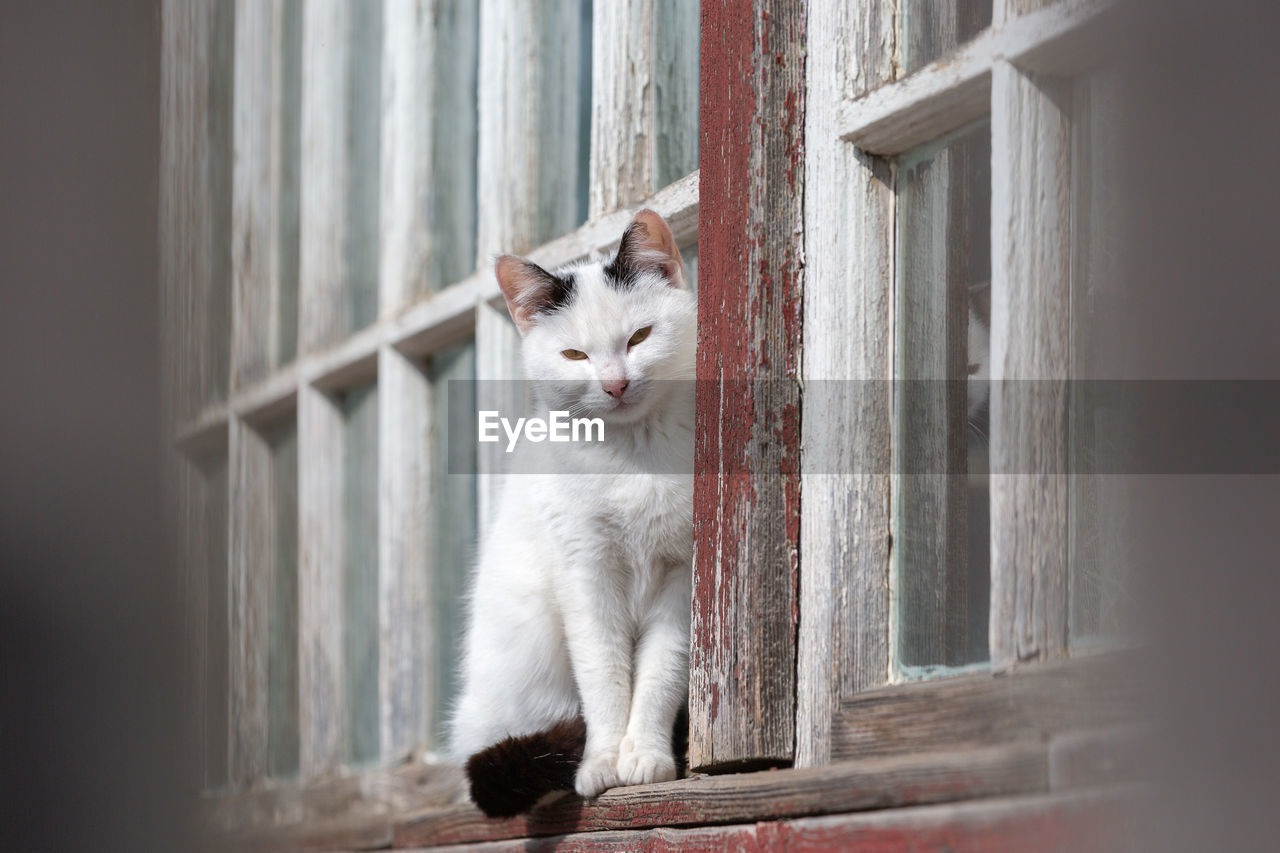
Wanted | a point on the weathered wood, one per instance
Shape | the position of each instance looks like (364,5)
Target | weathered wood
(881,783)
(747,480)
(436,321)
(428,148)
(1031,293)
(622,96)
(251,513)
(1095,757)
(322,713)
(1095,820)
(983,709)
(848,233)
(934,29)
(404,554)
(1066,38)
(940,97)
(195,206)
(531,139)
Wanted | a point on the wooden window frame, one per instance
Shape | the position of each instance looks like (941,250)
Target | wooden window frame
(791,650)
(224,416)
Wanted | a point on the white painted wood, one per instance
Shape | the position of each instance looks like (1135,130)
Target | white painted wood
(249,596)
(1030,340)
(1064,38)
(428,148)
(623,157)
(941,97)
(529,132)
(848,318)
(322,715)
(406,641)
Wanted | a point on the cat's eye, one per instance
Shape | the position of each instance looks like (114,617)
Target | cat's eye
(573,354)
(639,336)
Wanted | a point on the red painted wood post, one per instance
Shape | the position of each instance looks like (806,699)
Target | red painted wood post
(747,489)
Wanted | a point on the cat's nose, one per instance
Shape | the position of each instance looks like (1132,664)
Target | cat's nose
(614,387)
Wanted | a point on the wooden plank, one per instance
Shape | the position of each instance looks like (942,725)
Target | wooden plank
(982,709)
(882,783)
(1067,37)
(1101,820)
(251,512)
(848,232)
(941,97)
(747,483)
(428,149)
(1031,292)
(321,676)
(1095,757)
(404,555)
(531,137)
(622,94)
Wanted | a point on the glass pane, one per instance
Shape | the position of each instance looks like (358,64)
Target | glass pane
(676,36)
(360,571)
(1099,593)
(933,28)
(452,374)
(689,255)
(453,168)
(221,129)
(563,146)
(212,547)
(941,539)
(282,654)
(285,340)
(364,139)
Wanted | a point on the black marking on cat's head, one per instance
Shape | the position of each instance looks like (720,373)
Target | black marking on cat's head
(531,291)
(647,246)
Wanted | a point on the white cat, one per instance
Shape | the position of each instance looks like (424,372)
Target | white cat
(581,599)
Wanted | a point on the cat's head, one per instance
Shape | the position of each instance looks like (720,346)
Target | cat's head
(605,339)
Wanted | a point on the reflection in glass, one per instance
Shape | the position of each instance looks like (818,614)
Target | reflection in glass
(933,28)
(941,539)
(452,375)
(282,653)
(360,571)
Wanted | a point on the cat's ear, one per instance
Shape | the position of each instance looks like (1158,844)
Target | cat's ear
(648,246)
(528,289)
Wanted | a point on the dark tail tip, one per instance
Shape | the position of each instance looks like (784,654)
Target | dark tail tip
(510,776)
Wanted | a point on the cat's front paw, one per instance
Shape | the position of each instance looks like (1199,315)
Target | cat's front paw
(596,774)
(639,765)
